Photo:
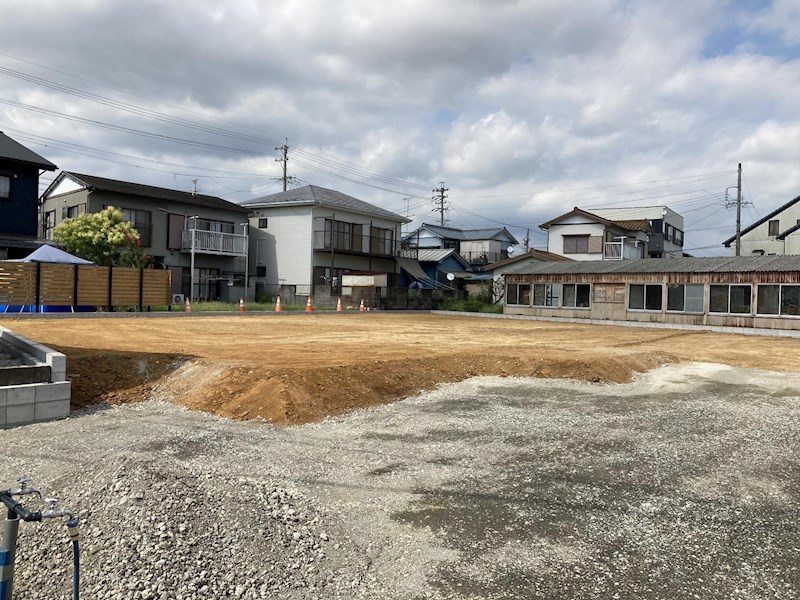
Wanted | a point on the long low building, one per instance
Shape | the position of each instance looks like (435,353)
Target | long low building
(757,292)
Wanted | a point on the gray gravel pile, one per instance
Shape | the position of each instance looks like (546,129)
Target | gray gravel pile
(683,484)
(158,531)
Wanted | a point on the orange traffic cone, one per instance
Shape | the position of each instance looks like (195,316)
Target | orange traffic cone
(187,306)
(241,304)
(309,308)
(361,307)
(339,305)
(278,305)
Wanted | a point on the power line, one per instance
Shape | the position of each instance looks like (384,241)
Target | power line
(140,111)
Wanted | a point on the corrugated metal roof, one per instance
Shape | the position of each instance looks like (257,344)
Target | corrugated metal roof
(720,264)
(13,150)
(312,194)
(149,191)
(433,254)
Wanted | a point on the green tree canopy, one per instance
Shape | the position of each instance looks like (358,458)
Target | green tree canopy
(104,238)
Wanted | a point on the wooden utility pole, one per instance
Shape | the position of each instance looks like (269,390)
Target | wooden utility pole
(439,201)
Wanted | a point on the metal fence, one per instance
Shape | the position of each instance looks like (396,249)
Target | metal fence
(26,286)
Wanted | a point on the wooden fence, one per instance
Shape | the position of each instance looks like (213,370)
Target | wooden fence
(47,284)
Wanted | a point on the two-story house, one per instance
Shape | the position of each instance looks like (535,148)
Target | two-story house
(581,235)
(477,246)
(774,234)
(304,240)
(202,239)
(666,237)
(19,195)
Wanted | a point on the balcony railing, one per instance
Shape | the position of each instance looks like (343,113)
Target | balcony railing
(620,251)
(347,243)
(213,242)
(483,258)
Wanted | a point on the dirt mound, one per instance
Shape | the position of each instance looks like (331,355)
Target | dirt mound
(297,396)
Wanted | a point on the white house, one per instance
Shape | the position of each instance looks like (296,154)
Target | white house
(302,241)
(666,239)
(775,234)
(581,235)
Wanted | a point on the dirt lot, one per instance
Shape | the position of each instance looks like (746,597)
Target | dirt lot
(682,483)
(294,369)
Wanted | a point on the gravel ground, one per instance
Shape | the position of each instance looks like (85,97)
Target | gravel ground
(684,483)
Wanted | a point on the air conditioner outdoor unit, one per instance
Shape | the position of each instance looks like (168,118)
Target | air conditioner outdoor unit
(177,298)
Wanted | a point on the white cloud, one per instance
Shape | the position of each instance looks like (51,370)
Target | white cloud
(500,99)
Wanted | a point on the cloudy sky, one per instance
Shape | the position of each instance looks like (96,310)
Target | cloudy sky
(524,109)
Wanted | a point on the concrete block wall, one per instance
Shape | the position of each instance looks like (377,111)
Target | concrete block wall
(35,402)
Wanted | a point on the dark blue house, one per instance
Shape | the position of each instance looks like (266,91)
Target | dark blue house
(19,196)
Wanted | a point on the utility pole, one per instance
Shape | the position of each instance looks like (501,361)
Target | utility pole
(527,239)
(285,160)
(739,203)
(439,201)
(739,213)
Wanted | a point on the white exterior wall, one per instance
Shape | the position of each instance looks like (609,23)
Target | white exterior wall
(578,225)
(759,239)
(573,225)
(284,247)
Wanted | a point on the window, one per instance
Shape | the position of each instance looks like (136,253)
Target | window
(768,299)
(734,299)
(141,221)
(215,226)
(685,297)
(545,294)
(48,222)
(774,227)
(5,186)
(790,300)
(576,295)
(644,296)
(76,211)
(576,244)
(262,223)
(519,294)
(381,241)
(781,300)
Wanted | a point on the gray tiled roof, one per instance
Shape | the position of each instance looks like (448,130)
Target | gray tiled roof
(476,234)
(312,194)
(149,191)
(720,264)
(12,150)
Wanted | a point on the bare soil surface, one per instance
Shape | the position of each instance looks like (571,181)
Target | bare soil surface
(295,369)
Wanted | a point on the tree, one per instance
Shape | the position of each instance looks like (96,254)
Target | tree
(104,238)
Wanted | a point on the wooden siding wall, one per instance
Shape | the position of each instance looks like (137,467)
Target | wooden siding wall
(791,277)
(619,311)
(45,284)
